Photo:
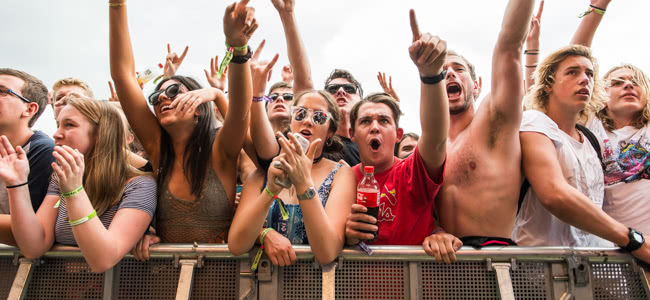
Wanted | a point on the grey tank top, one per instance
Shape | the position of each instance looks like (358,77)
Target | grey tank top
(204,220)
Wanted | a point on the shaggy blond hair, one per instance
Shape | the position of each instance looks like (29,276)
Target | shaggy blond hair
(643,116)
(537,97)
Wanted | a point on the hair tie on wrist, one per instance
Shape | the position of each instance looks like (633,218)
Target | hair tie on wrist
(17,185)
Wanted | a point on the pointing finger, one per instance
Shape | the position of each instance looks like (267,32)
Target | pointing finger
(169,49)
(540,10)
(415,29)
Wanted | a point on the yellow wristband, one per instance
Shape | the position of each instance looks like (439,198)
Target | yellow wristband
(84,219)
(73,192)
(113,4)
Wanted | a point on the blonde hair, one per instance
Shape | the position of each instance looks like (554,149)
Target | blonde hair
(644,116)
(74,82)
(106,165)
(537,96)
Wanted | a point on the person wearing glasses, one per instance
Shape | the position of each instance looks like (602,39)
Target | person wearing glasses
(347,91)
(23,99)
(312,210)
(96,200)
(195,164)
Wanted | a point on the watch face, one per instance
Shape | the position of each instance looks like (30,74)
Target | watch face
(638,236)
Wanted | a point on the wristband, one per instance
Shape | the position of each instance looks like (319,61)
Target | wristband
(15,186)
(83,220)
(258,256)
(112,4)
(531,66)
(434,79)
(241,59)
(594,9)
(283,210)
(228,57)
(264,98)
(531,52)
(73,192)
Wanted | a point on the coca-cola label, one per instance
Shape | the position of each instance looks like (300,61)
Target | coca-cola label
(368,199)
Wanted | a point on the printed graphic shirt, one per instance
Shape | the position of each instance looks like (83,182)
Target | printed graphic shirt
(406,202)
(627,173)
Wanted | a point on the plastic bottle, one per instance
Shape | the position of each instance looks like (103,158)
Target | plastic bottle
(148,74)
(368,194)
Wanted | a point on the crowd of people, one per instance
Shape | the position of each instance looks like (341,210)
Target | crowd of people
(555,155)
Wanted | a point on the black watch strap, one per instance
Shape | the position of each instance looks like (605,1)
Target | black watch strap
(434,79)
(636,240)
(240,59)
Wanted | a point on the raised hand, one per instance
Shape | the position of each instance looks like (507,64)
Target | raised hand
(287,74)
(239,23)
(428,52)
(69,168)
(278,249)
(387,86)
(296,163)
(113,97)
(261,70)
(14,166)
(275,171)
(213,79)
(173,61)
(533,32)
(283,5)
(188,102)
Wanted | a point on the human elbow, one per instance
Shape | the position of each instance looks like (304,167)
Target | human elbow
(326,256)
(553,197)
(32,254)
(101,266)
(236,249)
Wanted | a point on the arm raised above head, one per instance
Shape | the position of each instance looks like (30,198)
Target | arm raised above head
(507,91)
(428,53)
(296,49)
(586,31)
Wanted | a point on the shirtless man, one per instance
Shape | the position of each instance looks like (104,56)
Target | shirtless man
(483,177)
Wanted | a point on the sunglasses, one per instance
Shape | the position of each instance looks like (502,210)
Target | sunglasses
(622,81)
(348,88)
(171,92)
(285,96)
(317,116)
(6,91)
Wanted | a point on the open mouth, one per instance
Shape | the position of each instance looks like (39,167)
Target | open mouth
(341,101)
(305,133)
(375,144)
(165,108)
(453,90)
(583,92)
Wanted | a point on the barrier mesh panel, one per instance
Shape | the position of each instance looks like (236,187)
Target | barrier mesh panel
(65,278)
(301,280)
(8,271)
(458,281)
(529,281)
(155,279)
(372,280)
(216,279)
(616,281)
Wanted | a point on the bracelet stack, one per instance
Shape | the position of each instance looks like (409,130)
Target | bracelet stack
(531,52)
(229,56)
(594,9)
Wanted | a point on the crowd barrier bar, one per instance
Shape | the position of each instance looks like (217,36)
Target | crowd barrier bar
(209,271)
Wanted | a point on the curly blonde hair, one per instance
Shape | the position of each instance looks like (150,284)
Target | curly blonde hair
(643,116)
(537,96)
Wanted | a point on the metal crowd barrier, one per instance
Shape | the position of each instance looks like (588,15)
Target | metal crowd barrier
(203,271)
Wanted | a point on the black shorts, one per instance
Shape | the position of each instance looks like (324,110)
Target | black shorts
(484,241)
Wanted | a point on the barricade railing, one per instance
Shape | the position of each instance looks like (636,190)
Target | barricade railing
(208,271)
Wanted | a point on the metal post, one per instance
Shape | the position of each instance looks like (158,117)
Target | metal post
(329,276)
(414,280)
(23,275)
(185,279)
(109,278)
(505,282)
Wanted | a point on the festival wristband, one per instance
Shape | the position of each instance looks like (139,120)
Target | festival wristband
(593,9)
(73,192)
(262,99)
(228,57)
(258,256)
(84,219)
(283,210)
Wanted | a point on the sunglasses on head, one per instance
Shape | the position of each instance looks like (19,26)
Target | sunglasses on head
(348,88)
(285,96)
(7,91)
(317,116)
(171,92)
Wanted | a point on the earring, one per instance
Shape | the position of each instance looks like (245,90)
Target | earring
(328,143)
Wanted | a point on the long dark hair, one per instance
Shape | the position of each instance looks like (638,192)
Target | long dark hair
(196,159)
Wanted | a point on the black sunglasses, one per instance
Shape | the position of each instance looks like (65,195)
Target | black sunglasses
(6,91)
(171,92)
(285,96)
(348,88)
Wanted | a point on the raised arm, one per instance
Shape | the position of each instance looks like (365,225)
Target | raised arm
(587,29)
(507,78)
(429,53)
(261,130)
(144,123)
(543,170)
(295,48)
(387,85)
(532,46)
(239,24)
(173,61)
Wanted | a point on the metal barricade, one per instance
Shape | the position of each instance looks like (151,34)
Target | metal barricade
(202,271)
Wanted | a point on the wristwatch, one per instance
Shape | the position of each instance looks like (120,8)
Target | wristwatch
(240,59)
(308,194)
(636,240)
(434,79)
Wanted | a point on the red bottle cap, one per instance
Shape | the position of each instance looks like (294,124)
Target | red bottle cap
(369,169)
(160,66)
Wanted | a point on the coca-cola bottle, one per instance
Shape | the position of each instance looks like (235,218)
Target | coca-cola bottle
(368,194)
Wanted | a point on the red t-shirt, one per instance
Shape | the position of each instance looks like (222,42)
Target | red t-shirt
(406,201)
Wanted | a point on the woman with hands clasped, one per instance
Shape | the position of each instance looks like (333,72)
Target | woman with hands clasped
(195,165)
(314,208)
(95,200)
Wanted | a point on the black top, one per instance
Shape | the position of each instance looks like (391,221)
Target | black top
(39,154)
(350,151)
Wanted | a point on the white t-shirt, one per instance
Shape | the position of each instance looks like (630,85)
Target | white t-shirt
(626,154)
(536,226)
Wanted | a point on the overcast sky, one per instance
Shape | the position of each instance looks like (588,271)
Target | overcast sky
(56,39)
